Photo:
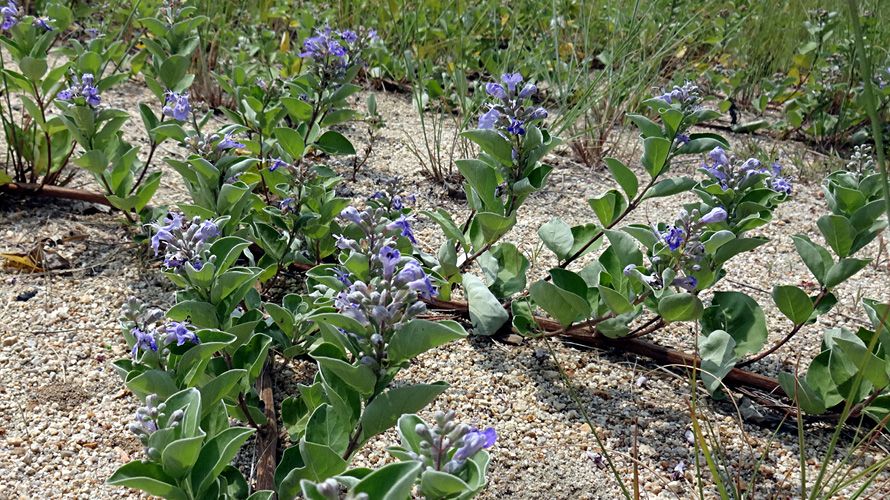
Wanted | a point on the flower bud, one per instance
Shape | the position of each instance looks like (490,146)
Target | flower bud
(529,90)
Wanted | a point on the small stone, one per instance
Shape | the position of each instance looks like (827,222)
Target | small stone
(8,341)
(551,374)
(675,486)
(14,441)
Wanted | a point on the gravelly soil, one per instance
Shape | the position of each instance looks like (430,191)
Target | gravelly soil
(64,412)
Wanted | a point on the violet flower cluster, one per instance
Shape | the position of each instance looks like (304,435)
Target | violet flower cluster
(149,333)
(683,240)
(389,297)
(334,51)
(211,146)
(146,423)
(184,240)
(730,175)
(391,197)
(687,96)
(512,112)
(11,15)
(177,105)
(81,91)
(447,445)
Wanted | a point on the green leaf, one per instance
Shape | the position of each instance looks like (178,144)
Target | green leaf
(311,461)
(816,258)
(655,153)
(563,305)
(670,187)
(717,359)
(492,143)
(391,482)
(32,68)
(216,389)
(803,395)
(646,126)
(794,303)
(214,457)
(608,206)
(326,428)
(505,269)
(148,477)
(199,313)
(680,307)
(843,270)
(179,456)
(419,336)
(838,232)
(616,301)
(734,247)
(436,484)
(494,226)
(94,161)
(361,377)
(557,236)
(482,180)
(173,72)
(717,240)
(623,176)
(334,143)
(741,317)
(291,141)
(384,411)
(486,312)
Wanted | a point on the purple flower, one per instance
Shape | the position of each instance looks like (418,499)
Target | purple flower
(65,95)
(349,36)
(94,33)
(529,90)
(719,156)
(10,15)
(474,441)
(538,114)
(511,80)
(144,341)
(276,163)
(674,237)
(677,474)
(715,215)
(403,224)
(180,333)
(208,230)
(351,214)
(343,277)
(40,22)
(424,287)
(286,204)
(227,143)
(91,93)
(411,272)
(496,90)
(682,138)
(488,120)
(389,257)
(180,108)
(751,164)
(516,127)
(782,185)
(687,283)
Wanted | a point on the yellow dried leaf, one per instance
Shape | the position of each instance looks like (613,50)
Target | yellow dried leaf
(285,42)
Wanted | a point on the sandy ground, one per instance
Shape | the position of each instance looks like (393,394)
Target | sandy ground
(64,412)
